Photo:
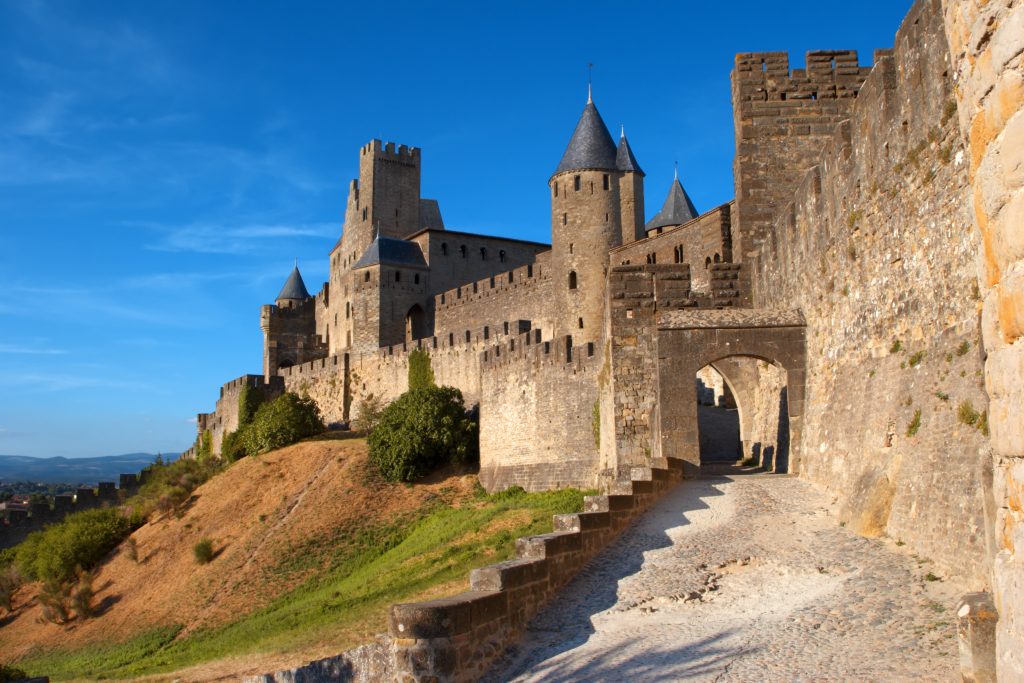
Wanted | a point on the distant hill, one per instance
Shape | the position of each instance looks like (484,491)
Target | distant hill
(74,470)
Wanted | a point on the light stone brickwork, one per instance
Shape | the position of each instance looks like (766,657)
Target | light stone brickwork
(986,42)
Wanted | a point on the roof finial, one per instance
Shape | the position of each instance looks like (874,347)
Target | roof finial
(623,134)
(676,163)
(296,261)
(590,83)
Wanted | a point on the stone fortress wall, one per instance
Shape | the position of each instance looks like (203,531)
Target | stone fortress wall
(876,249)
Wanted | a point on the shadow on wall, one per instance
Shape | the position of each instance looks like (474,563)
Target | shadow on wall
(566,622)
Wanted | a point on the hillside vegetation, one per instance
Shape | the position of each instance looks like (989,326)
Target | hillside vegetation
(310,545)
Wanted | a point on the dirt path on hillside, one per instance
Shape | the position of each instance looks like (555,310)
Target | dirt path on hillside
(741,579)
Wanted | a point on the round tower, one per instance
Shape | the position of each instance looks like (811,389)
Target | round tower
(586,222)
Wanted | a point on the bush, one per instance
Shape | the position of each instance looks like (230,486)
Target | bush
(249,401)
(53,598)
(9,673)
(203,551)
(82,594)
(422,429)
(10,582)
(421,374)
(915,423)
(281,422)
(368,413)
(205,449)
(232,447)
(80,541)
(967,414)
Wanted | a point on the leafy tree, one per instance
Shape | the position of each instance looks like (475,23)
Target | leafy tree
(80,541)
(420,430)
(421,373)
(281,422)
(368,412)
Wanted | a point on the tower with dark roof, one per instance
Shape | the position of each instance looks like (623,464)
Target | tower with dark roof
(596,205)
(677,209)
(289,327)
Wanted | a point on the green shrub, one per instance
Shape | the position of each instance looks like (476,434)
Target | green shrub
(10,582)
(9,673)
(421,374)
(53,598)
(80,541)
(249,401)
(232,447)
(203,551)
(368,412)
(595,423)
(283,421)
(983,423)
(964,347)
(915,423)
(967,414)
(896,347)
(916,358)
(420,430)
(82,594)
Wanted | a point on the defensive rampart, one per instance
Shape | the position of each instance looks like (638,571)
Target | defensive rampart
(876,248)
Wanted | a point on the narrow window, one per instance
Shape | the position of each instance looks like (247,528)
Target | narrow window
(591,187)
(717,258)
(444,249)
(707,263)
(529,270)
(492,282)
(606,185)
(501,255)
(348,310)
(416,278)
(451,339)
(366,276)
(364,214)
(654,257)
(570,247)
(576,183)
(442,299)
(398,276)
(467,336)
(581,323)
(458,292)
(506,328)
(487,332)
(483,254)
(463,251)
(474,288)
(565,219)
(572,280)
(556,188)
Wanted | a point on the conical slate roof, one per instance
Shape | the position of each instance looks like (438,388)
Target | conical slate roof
(294,287)
(624,159)
(591,146)
(676,210)
(391,251)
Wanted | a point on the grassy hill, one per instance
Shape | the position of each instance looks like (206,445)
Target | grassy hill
(311,547)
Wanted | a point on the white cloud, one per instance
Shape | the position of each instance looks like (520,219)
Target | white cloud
(30,350)
(215,238)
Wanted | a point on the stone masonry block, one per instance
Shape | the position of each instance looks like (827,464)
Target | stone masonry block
(976,633)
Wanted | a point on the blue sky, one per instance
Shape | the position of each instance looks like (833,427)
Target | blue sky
(162,163)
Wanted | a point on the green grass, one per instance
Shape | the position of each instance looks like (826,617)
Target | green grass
(391,564)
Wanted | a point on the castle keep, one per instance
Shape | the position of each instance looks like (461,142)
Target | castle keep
(859,294)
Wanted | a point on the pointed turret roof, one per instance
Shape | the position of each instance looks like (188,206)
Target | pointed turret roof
(624,159)
(676,210)
(294,287)
(591,145)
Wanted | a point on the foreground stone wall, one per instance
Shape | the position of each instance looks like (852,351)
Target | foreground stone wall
(877,250)
(537,413)
(986,41)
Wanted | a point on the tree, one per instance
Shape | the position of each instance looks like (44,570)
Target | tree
(420,430)
(281,422)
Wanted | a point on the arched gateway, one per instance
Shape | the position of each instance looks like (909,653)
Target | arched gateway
(723,339)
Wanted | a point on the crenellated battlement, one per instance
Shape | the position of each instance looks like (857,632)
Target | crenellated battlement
(828,74)
(495,285)
(389,151)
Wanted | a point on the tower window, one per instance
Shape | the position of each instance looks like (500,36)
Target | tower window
(581,323)
(678,253)
(572,280)
(570,247)
(501,255)
(366,276)
(474,288)
(506,328)
(707,263)
(348,310)
(606,183)
(463,251)
(398,276)
(510,275)
(396,213)
(444,248)
(364,213)
(442,299)
(416,278)
(576,183)
(565,219)
(483,253)
(487,332)
(451,339)
(556,188)
(467,336)
(717,258)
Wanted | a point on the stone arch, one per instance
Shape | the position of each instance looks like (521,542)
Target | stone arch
(416,323)
(689,340)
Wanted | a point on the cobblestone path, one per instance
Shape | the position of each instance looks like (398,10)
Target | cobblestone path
(746,578)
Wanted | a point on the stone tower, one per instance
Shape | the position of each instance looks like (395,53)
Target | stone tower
(596,205)
(289,327)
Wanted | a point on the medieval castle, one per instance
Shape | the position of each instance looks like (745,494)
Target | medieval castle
(863,285)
